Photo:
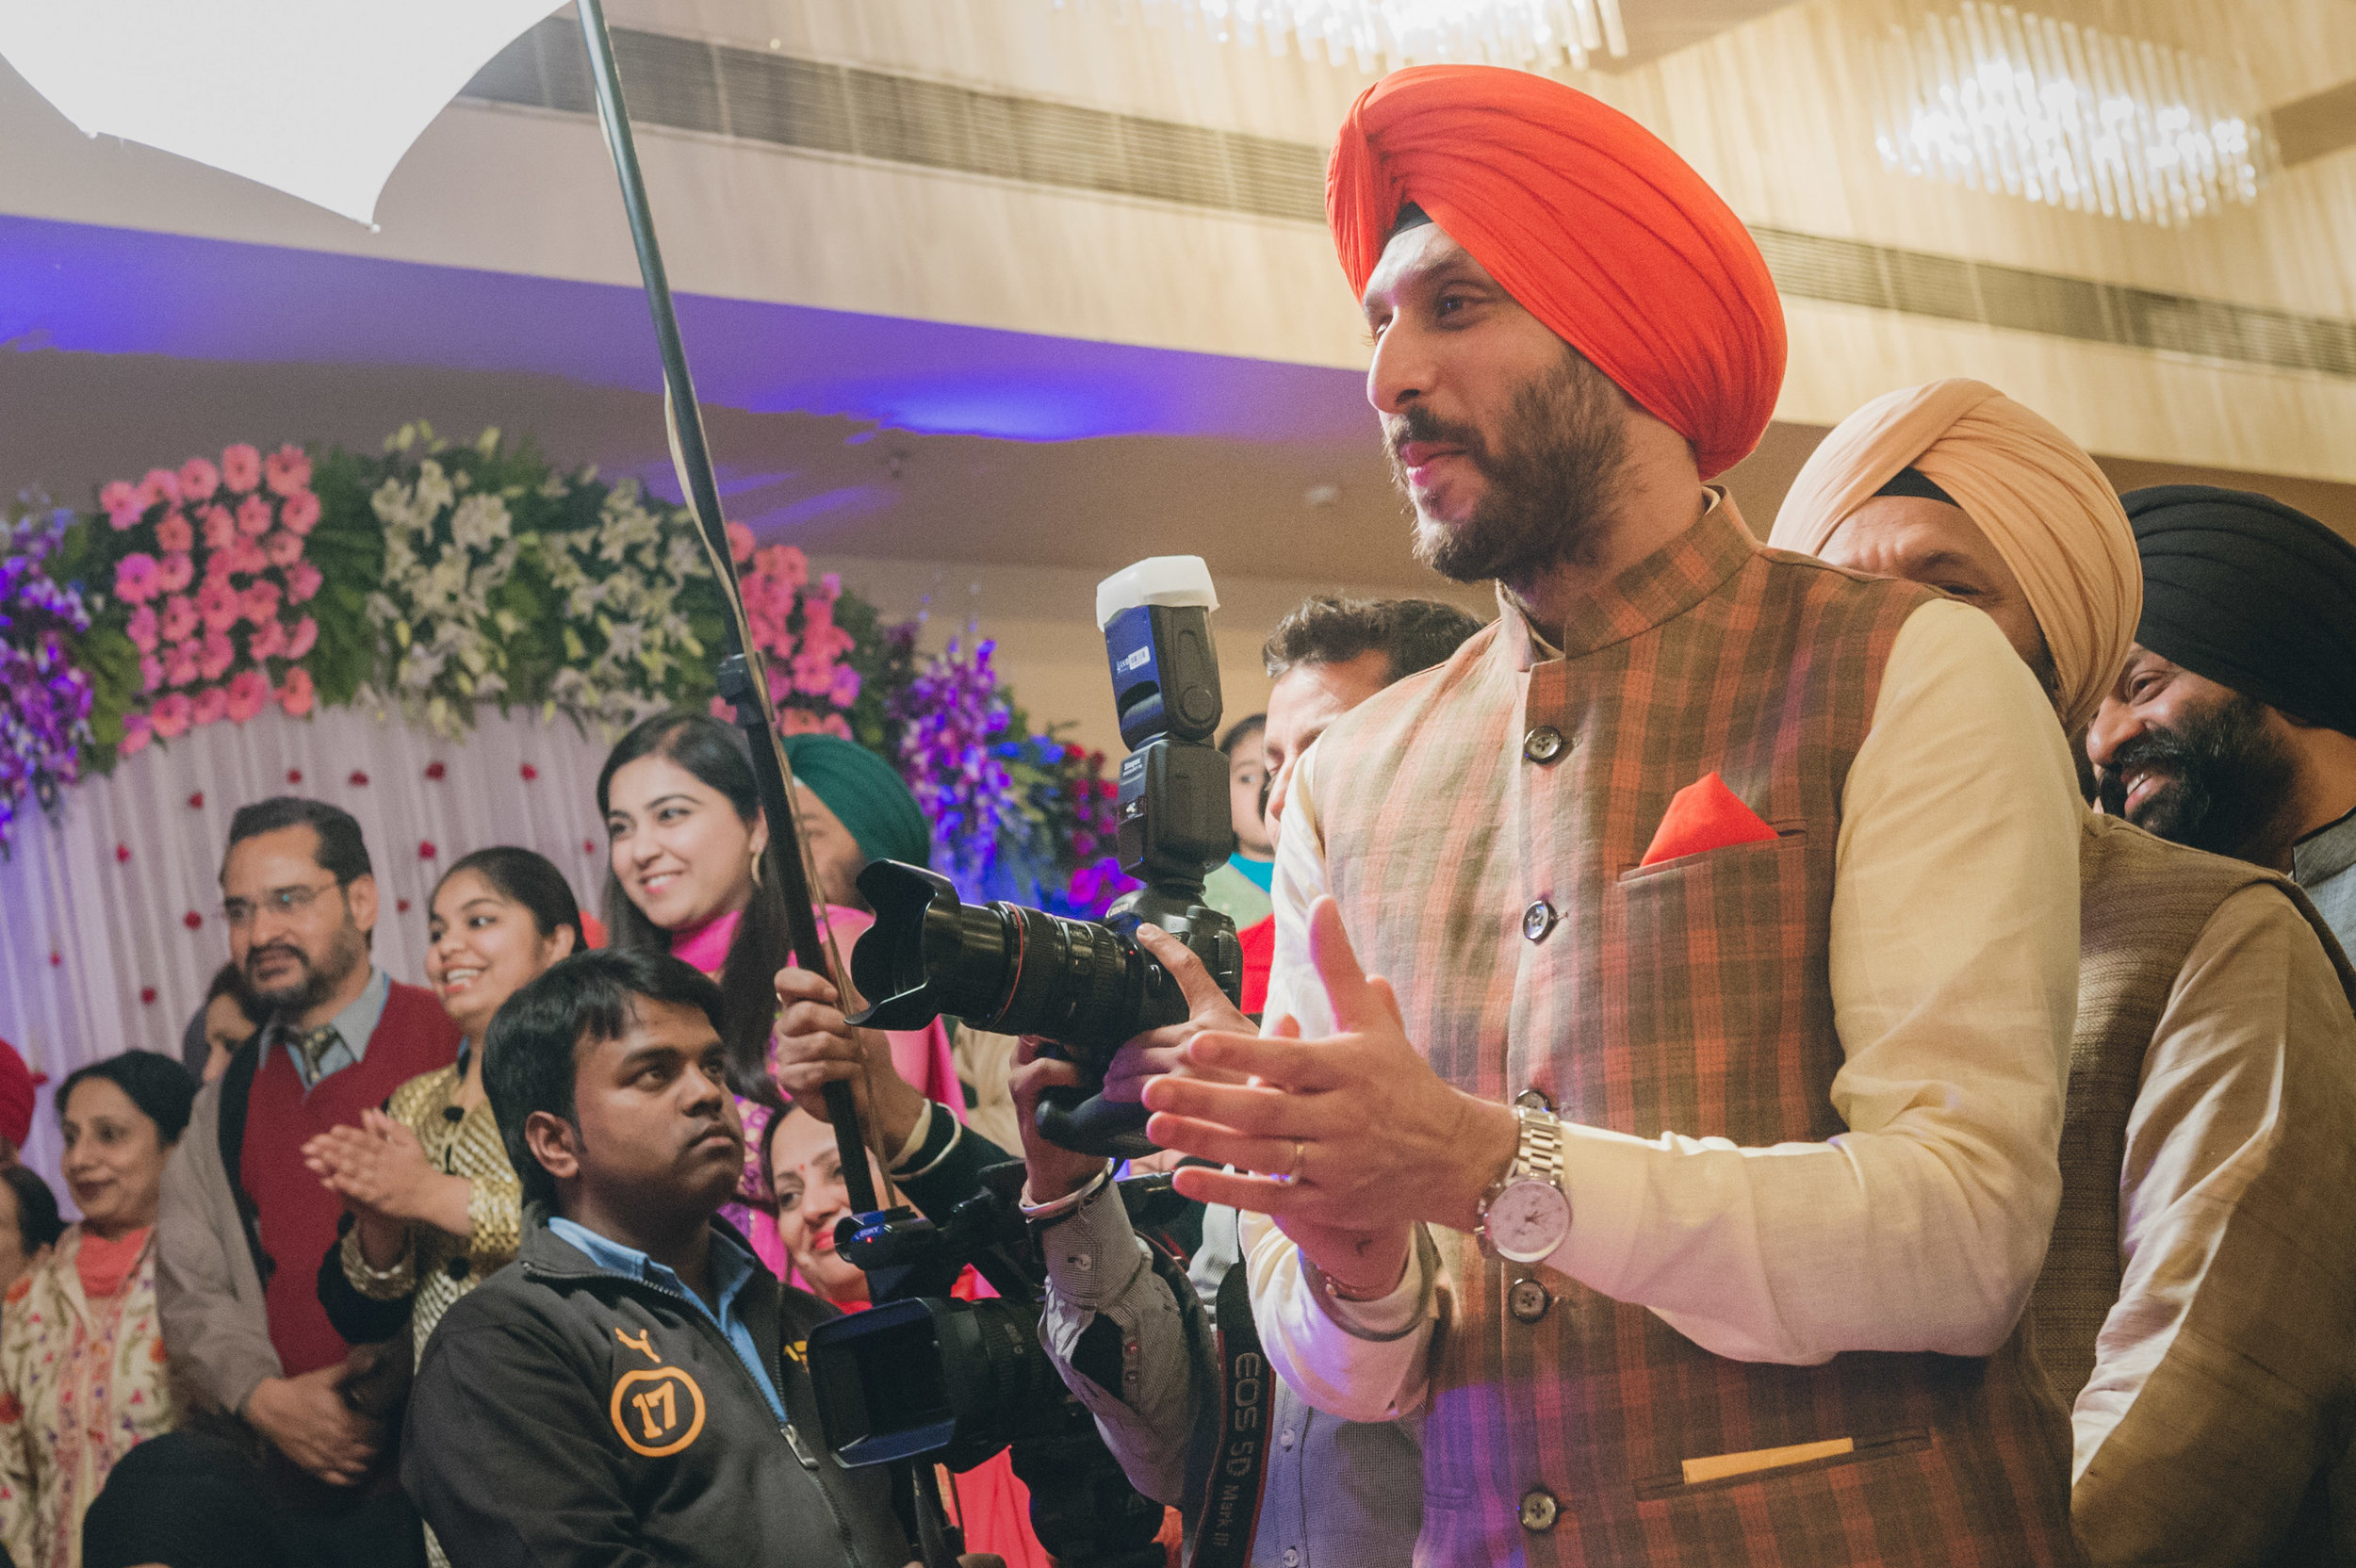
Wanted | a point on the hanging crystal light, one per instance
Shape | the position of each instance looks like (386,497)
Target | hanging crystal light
(1533,34)
(2002,100)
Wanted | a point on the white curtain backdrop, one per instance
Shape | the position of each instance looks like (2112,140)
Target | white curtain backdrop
(110,925)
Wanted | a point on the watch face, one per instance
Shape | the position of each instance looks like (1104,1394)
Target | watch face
(1528,1220)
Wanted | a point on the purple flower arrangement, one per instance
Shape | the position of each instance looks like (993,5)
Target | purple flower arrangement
(949,719)
(44,716)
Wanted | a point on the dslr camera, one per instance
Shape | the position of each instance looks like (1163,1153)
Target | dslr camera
(1085,985)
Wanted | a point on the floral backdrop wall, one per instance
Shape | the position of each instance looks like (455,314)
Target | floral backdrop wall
(437,582)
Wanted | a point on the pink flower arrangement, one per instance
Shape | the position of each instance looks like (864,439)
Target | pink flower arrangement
(240,468)
(793,626)
(215,554)
(137,730)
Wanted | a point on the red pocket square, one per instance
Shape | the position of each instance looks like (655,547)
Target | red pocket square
(1703,815)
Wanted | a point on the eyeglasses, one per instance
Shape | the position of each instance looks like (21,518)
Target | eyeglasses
(240,912)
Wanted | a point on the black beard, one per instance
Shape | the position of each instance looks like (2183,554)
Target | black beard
(291,999)
(2228,779)
(1553,475)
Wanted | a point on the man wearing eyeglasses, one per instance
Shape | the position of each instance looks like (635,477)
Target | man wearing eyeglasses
(292,1420)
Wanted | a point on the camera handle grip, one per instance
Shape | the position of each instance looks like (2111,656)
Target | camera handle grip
(1092,1124)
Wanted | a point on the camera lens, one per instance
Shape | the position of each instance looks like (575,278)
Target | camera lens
(1001,967)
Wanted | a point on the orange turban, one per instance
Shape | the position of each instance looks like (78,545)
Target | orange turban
(2032,490)
(1590,222)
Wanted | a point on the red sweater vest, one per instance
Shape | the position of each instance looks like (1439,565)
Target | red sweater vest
(299,1215)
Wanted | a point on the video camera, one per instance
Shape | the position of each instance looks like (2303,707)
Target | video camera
(922,1375)
(1087,986)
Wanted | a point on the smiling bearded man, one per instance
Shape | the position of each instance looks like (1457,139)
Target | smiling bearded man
(1726,909)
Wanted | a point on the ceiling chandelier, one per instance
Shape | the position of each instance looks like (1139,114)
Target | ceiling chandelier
(2002,100)
(1533,34)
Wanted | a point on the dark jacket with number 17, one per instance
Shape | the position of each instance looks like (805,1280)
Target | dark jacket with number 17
(566,1414)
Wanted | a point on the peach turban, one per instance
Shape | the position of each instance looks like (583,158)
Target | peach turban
(1587,220)
(2034,492)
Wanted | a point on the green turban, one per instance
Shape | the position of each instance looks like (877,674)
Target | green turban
(861,789)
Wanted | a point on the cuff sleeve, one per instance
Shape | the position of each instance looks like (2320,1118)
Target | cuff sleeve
(1341,1372)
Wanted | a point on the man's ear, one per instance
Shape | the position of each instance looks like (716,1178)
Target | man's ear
(555,1143)
(361,893)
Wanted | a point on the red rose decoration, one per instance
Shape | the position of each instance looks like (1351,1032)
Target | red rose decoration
(401,906)
(294,775)
(122,853)
(426,850)
(196,801)
(193,920)
(359,780)
(530,772)
(588,847)
(55,959)
(147,996)
(434,771)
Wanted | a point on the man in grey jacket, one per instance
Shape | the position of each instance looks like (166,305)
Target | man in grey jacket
(1139,1354)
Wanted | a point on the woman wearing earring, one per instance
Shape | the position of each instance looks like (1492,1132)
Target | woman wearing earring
(82,1374)
(687,838)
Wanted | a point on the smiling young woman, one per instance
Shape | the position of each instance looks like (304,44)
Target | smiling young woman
(435,1208)
(82,1374)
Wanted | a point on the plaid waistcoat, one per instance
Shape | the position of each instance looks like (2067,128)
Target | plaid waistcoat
(1691,996)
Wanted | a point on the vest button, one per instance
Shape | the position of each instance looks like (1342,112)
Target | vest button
(1539,1511)
(1537,920)
(1535,1100)
(1528,1300)
(1544,744)
(458,1268)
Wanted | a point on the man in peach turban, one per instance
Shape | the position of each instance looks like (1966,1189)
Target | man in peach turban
(2199,1301)
(1689,1166)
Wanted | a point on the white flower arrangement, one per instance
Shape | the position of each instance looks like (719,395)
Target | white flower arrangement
(445,557)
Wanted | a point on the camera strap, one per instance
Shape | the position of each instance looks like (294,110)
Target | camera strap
(1223,1531)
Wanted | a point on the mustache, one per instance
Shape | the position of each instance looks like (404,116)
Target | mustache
(1419,423)
(2158,745)
(277,950)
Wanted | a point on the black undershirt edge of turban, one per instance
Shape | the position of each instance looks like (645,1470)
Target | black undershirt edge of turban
(2251,594)
(1912,482)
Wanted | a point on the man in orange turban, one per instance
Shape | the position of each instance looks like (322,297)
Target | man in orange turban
(1690,1164)
(2199,1302)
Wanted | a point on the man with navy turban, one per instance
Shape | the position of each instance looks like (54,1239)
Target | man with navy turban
(2232,727)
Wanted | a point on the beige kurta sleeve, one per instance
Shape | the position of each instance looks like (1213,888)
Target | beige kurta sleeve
(2228,1358)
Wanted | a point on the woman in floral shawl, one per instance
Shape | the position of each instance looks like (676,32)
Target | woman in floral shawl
(82,1377)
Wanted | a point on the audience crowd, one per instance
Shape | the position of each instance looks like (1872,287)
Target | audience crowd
(1837,1049)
